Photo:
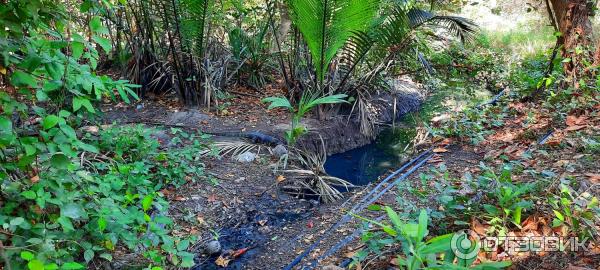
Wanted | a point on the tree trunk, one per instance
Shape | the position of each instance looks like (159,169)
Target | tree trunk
(572,17)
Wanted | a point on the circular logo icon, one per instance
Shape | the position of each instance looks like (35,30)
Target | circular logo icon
(463,247)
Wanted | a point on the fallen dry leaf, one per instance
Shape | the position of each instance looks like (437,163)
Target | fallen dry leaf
(478,227)
(530,224)
(594,177)
(35,179)
(212,198)
(280,178)
(440,150)
(575,121)
(350,254)
(574,128)
(222,261)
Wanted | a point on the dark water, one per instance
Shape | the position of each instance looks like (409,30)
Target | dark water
(363,165)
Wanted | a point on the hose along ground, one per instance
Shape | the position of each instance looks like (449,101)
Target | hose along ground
(366,201)
(359,231)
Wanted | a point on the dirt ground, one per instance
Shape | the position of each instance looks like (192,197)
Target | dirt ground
(261,227)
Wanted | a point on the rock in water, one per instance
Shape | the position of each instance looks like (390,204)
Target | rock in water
(212,247)
(280,150)
(246,157)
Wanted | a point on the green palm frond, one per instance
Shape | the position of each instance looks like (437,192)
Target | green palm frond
(326,25)
(395,33)
(195,17)
(463,28)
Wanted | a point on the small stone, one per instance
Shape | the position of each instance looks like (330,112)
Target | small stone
(212,247)
(246,157)
(280,150)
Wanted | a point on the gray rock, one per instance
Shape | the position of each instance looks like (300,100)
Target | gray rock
(246,157)
(280,150)
(212,247)
(191,117)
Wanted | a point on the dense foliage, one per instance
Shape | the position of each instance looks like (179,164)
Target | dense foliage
(72,195)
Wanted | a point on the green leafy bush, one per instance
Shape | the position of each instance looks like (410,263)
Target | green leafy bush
(69,197)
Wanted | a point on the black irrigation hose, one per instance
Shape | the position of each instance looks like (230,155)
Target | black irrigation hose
(493,100)
(357,232)
(342,243)
(364,203)
(359,206)
(544,139)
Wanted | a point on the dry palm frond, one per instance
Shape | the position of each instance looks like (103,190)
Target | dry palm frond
(236,148)
(313,176)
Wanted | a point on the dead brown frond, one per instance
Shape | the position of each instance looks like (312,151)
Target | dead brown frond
(236,148)
(311,175)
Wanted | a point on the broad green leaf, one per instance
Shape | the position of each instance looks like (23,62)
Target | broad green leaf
(277,102)
(147,202)
(492,265)
(28,194)
(50,86)
(50,121)
(55,70)
(60,161)
(66,224)
(103,42)
(101,224)
(35,265)
(26,255)
(394,217)
(68,130)
(72,266)
(492,210)
(517,216)
(96,26)
(20,78)
(123,95)
(422,227)
(438,244)
(187,259)
(106,256)
(5,125)
(78,102)
(183,245)
(88,255)
(559,215)
(77,49)
(17,221)
(332,99)
(87,147)
(73,210)
(41,96)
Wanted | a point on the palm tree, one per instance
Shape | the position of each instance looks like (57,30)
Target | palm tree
(326,26)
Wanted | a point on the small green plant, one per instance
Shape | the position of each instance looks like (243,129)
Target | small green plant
(506,200)
(417,252)
(307,102)
(578,211)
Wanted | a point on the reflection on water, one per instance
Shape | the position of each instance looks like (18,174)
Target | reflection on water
(363,165)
